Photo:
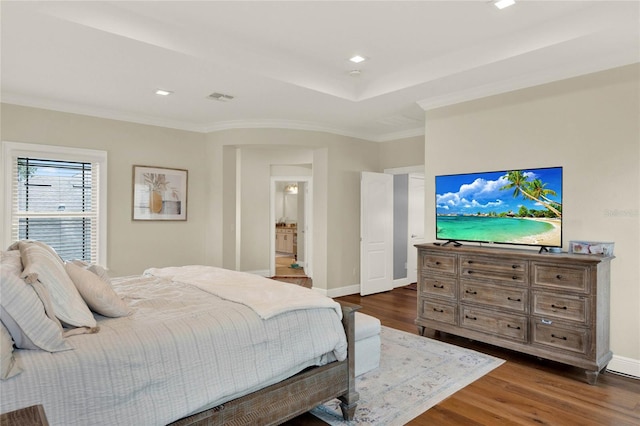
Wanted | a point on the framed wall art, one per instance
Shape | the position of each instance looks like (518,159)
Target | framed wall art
(159,193)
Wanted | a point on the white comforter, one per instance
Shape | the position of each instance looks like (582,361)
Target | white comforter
(266,297)
(181,351)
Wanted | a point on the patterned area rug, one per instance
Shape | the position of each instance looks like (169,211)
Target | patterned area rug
(415,374)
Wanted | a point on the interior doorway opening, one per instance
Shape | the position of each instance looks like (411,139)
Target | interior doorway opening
(291,207)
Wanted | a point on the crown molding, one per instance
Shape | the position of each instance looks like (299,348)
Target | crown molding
(10,98)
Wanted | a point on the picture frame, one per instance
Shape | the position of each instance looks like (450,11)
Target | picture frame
(159,193)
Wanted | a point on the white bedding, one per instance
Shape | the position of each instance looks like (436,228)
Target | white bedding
(248,289)
(181,351)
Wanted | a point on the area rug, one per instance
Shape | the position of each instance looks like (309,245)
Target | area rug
(415,374)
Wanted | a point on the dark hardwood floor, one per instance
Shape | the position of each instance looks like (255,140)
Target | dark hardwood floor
(523,391)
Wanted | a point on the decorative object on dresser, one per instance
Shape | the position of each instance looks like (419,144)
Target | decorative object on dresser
(553,306)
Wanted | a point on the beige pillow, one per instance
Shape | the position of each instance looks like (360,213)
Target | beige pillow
(9,365)
(23,312)
(68,305)
(98,294)
(15,246)
(96,269)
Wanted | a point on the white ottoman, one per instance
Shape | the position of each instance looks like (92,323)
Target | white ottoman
(367,355)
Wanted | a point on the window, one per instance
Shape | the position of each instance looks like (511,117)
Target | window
(57,196)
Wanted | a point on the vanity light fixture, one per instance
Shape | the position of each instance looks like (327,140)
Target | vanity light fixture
(501,4)
(292,188)
(162,92)
(357,59)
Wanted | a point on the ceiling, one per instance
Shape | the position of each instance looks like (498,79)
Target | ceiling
(286,63)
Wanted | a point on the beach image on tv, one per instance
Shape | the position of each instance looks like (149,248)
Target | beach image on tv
(516,207)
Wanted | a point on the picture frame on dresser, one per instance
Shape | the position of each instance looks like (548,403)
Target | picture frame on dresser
(159,193)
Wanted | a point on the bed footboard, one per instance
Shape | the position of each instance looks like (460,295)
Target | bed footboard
(282,401)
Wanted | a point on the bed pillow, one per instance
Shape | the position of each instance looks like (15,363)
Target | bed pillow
(98,294)
(23,312)
(9,365)
(96,269)
(15,246)
(68,305)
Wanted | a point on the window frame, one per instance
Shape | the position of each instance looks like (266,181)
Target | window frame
(12,150)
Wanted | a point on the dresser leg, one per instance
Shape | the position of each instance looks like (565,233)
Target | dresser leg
(592,376)
(421,330)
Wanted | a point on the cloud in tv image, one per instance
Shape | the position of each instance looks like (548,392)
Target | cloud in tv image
(512,206)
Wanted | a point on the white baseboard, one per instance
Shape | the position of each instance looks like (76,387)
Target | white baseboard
(626,366)
(342,291)
(401,282)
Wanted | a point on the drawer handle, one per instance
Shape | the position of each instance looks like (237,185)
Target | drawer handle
(470,262)
(438,310)
(514,300)
(559,276)
(470,272)
(471,292)
(514,266)
(515,277)
(558,337)
(517,327)
(437,263)
(438,286)
(558,307)
(471,318)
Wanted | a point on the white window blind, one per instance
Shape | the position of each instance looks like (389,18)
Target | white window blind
(56,198)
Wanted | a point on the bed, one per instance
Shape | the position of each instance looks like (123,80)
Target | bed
(186,345)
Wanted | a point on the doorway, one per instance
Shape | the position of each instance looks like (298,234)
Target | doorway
(291,207)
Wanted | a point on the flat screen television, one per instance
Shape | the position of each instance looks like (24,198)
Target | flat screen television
(520,206)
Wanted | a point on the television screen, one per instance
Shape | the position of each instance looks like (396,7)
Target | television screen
(510,207)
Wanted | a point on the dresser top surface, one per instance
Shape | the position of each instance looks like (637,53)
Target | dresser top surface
(529,254)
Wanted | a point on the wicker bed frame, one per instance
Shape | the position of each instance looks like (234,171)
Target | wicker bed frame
(285,400)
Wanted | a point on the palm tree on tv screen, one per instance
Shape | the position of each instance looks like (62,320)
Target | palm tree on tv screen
(532,190)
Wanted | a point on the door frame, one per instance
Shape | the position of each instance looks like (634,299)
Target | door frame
(308,222)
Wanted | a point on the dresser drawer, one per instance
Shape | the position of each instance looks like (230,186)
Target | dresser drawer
(438,286)
(436,311)
(572,308)
(514,298)
(561,277)
(551,335)
(438,263)
(513,271)
(513,327)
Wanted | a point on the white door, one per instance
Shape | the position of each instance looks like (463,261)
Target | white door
(376,233)
(416,223)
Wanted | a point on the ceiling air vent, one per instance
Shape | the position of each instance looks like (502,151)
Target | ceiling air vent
(220,97)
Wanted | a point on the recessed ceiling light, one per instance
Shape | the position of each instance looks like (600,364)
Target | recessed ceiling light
(501,4)
(163,92)
(357,59)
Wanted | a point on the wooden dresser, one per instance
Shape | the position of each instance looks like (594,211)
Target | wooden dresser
(553,306)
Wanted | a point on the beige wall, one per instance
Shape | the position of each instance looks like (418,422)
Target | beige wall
(132,246)
(402,153)
(588,125)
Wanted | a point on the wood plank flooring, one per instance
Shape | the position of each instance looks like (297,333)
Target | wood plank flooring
(523,391)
